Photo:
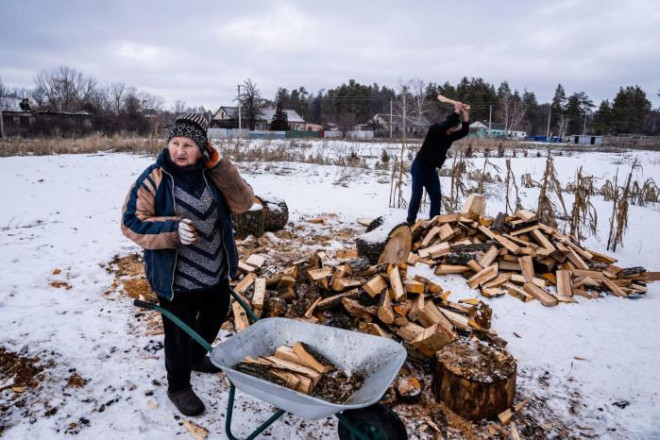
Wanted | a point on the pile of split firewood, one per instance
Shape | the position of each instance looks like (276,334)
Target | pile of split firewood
(519,255)
(375,293)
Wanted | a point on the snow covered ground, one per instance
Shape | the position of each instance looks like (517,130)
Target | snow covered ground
(62,212)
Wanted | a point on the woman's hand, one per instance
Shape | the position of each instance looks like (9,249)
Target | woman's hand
(187,232)
(214,154)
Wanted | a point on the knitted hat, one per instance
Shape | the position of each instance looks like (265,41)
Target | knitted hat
(193,126)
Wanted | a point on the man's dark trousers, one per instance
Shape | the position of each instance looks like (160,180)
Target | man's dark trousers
(424,176)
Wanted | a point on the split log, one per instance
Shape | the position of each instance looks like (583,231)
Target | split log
(240,317)
(311,358)
(475,206)
(250,222)
(433,338)
(409,332)
(276,212)
(474,380)
(259,296)
(386,244)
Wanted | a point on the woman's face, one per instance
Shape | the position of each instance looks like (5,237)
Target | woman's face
(183,151)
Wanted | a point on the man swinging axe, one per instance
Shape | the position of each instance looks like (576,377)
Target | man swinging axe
(432,155)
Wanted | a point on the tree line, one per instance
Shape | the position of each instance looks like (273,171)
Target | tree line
(121,108)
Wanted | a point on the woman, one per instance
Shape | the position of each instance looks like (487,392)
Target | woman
(178,211)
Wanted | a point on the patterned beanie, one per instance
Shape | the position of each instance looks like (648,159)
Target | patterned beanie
(193,126)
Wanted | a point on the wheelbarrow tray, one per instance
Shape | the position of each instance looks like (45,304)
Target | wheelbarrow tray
(378,358)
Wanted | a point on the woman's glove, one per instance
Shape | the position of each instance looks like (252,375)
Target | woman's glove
(214,155)
(187,232)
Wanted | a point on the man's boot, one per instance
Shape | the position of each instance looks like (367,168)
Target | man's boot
(187,402)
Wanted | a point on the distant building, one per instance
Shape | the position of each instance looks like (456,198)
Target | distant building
(497,129)
(227,117)
(380,124)
(478,130)
(20,119)
(17,116)
(585,139)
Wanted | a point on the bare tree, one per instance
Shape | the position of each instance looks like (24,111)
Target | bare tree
(420,104)
(62,88)
(2,94)
(117,92)
(404,105)
(512,109)
(251,102)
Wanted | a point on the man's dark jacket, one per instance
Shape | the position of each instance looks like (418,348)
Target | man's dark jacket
(437,141)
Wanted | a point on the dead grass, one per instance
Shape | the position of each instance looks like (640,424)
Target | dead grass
(84,145)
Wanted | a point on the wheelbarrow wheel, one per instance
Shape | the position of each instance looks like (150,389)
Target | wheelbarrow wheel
(376,422)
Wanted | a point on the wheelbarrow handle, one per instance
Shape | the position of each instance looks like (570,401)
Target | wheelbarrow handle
(178,322)
(247,309)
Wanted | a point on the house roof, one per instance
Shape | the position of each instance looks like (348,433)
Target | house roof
(13,104)
(265,115)
(384,118)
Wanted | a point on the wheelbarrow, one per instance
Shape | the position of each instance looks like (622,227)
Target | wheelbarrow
(360,418)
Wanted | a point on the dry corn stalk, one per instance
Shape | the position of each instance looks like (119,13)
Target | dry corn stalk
(584,213)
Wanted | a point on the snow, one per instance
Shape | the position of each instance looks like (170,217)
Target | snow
(62,212)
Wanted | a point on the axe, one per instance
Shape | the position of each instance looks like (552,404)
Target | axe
(446,100)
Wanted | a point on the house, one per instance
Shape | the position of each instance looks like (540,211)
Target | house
(17,116)
(380,124)
(478,130)
(227,117)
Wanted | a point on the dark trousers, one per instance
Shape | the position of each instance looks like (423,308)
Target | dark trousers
(204,311)
(424,176)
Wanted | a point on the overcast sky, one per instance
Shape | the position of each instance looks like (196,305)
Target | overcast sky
(198,51)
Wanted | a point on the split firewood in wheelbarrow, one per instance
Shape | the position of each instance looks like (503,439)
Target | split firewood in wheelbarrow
(303,369)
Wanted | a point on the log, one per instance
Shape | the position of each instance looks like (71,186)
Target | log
(276,212)
(385,311)
(259,296)
(409,332)
(240,317)
(311,358)
(433,338)
(399,294)
(474,380)
(374,286)
(250,222)
(475,206)
(408,389)
(547,299)
(383,245)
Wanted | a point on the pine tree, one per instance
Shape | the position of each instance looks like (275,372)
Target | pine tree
(280,120)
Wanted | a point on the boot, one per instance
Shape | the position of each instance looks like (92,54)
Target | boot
(205,365)
(187,402)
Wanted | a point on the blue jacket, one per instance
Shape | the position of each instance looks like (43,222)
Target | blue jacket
(150,220)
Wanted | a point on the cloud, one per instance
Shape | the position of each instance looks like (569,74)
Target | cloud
(200,52)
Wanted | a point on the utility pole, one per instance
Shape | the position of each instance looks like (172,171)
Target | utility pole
(490,117)
(238,97)
(547,134)
(390,118)
(2,125)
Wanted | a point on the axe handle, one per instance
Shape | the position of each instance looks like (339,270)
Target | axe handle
(446,100)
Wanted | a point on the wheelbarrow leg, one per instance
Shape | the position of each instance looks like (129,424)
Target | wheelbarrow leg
(230,409)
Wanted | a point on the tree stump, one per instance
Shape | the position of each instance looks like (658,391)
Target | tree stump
(250,222)
(276,212)
(388,243)
(474,380)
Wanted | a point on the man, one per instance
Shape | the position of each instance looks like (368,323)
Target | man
(432,155)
